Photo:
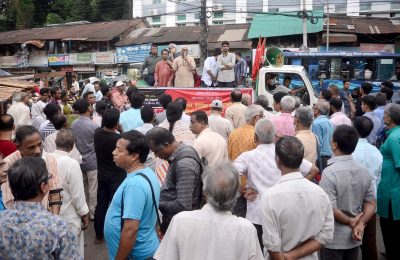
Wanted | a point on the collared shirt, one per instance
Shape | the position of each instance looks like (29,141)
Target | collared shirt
(75,84)
(21,114)
(240,70)
(209,64)
(379,111)
(235,113)
(376,129)
(145,128)
(130,119)
(49,145)
(323,129)
(30,232)
(164,74)
(309,141)
(389,186)
(294,211)
(348,186)
(150,63)
(371,158)
(181,189)
(184,72)
(241,140)
(83,129)
(344,96)
(340,118)
(208,234)
(181,131)
(138,205)
(46,129)
(211,146)
(284,124)
(259,166)
(73,196)
(98,95)
(225,75)
(54,183)
(119,100)
(220,125)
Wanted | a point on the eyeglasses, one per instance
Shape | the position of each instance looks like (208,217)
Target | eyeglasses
(46,179)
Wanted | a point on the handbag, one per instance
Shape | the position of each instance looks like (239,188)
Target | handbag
(158,225)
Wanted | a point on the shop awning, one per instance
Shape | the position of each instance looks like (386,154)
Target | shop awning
(282,24)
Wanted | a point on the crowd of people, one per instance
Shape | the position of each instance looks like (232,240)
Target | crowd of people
(237,183)
(178,69)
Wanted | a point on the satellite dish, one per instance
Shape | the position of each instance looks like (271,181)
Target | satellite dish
(274,57)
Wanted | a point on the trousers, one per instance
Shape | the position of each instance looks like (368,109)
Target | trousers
(339,254)
(90,185)
(105,193)
(368,248)
(390,233)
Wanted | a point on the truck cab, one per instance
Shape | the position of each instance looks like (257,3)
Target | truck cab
(292,79)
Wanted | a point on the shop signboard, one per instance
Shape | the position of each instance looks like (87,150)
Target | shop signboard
(104,57)
(58,59)
(80,58)
(38,61)
(8,61)
(84,68)
(133,53)
(194,49)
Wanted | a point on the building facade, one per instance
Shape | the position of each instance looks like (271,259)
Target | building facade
(167,13)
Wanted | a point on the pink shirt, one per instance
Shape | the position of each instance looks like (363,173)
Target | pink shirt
(119,100)
(339,118)
(284,124)
(163,74)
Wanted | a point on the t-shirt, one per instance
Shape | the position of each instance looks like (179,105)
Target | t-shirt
(138,205)
(6,148)
(104,144)
(130,119)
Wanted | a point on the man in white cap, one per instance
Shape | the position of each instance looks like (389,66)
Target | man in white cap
(90,86)
(118,96)
(216,122)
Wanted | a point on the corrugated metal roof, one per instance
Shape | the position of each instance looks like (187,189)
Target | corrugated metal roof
(104,31)
(375,26)
(187,34)
(8,86)
(340,37)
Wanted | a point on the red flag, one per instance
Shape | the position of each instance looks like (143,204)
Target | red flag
(256,63)
(262,51)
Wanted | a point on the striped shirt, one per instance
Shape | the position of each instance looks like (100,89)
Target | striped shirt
(46,129)
(181,190)
(240,70)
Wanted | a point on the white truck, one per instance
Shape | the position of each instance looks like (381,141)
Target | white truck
(271,77)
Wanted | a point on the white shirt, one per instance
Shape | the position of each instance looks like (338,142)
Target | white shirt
(293,211)
(261,171)
(209,234)
(209,64)
(226,75)
(73,195)
(21,114)
(98,96)
(144,128)
(185,118)
(49,145)
(220,125)
(75,84)
(211,146)
(88,87)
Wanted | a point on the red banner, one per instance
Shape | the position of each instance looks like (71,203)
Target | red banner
(197,98)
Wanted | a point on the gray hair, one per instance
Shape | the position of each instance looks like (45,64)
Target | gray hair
(323,106)
(19,96)
(253,110)
(265,131)
(65,140)
(298,102)
(393,111)
(288,104)
(221,184)
(262,100)
(305,116)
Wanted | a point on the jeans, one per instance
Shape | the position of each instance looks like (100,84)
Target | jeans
(90,184)
(105,193)
(324,160)
(149,78)
(390,233)
(339,254)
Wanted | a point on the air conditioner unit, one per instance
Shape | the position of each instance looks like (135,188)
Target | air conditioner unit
(153,12)
(217,7)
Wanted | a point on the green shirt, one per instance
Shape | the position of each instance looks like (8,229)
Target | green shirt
(389,186)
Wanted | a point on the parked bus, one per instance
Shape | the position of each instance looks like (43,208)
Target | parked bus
(327,68)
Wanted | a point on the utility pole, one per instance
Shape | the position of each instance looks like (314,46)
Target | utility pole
(327,26)
(304,23)
(204,32)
